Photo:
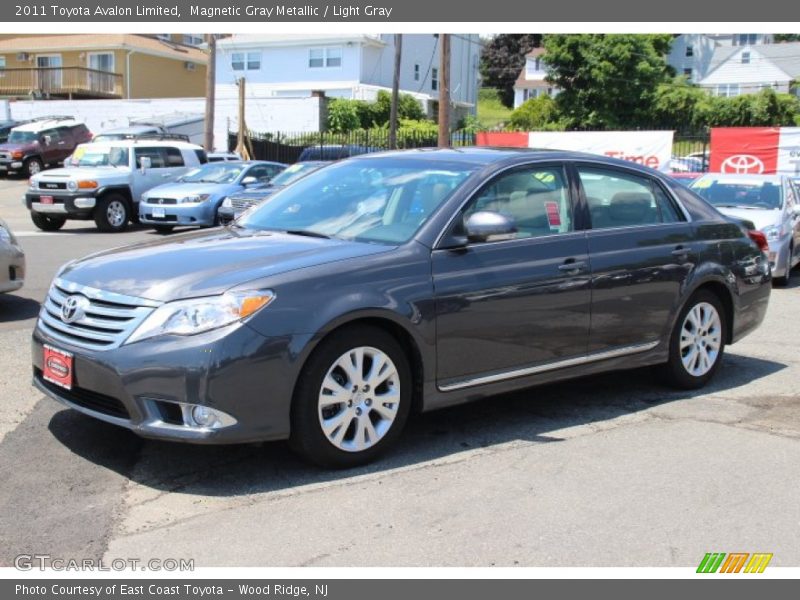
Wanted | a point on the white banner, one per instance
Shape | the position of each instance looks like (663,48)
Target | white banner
(789,151)
(650,148)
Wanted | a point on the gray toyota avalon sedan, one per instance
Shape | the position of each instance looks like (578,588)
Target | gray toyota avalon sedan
(400,282)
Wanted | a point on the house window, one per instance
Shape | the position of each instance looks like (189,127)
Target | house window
(537,64)
(249,60)
(747,39)
(192,39)
(728,90)
(688,73)
(434,79)
(164,37)
(745,58)
(2,62)
(416,72)
(689,50)
(324,57)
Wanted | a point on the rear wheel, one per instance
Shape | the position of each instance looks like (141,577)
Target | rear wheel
(697,342)
(112,213)
(46,222)
(352,399)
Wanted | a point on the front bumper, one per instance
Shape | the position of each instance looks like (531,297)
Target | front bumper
(147,386)
(79,205)
(202,214)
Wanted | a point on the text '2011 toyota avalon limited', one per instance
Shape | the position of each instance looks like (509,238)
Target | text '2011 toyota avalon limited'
(397,282)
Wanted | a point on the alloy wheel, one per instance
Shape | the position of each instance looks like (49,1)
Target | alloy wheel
(701,339)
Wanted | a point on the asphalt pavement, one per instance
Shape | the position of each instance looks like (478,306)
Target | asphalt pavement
(614,470)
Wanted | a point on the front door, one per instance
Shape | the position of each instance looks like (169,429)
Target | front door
(642,251)
(506,306)
(49,77)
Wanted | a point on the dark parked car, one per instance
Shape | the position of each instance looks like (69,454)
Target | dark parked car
(333,152)
(6,127)
(235,204)
(41,143)
(397,282)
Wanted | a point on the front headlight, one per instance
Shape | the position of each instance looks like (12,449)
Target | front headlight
(227,202)
(72,186)
(190,317)
(774,232)
(194,199)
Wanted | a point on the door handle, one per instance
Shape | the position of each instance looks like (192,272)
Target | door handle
(572,266)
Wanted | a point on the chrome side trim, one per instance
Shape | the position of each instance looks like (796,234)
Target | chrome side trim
(561,364)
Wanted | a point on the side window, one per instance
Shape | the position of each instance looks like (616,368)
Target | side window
(174,157)
(52,134)
(202,157)
(262,173)
(618,199)
(536,198)
(157,157)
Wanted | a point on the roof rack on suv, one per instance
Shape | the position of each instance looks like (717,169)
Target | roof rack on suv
(53,118)
(161,136)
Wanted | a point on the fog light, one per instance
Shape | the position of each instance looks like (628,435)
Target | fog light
(16,165)
(203,416)
(85,202)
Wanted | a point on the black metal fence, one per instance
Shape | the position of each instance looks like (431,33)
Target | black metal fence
(287,147)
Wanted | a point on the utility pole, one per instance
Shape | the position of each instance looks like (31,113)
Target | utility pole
(242,143)
(444,90)
(398,52)
(211,69)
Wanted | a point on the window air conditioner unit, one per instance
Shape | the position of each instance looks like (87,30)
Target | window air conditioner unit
(189,66)
(22,56)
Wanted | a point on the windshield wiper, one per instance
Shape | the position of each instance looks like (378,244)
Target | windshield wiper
(308,233)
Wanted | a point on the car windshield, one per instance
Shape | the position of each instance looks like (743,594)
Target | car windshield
(214,173)
(93,155)
(293,173)
(370,200)
(21,136)
(733,192)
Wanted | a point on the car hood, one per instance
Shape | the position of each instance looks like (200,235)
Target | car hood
(101,173)
(179,190)
(206,262)
(9,147)
(761,218)
(256,194)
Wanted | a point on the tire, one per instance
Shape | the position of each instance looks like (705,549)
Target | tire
(46,222)
(700,329)
(786,279)
(358,431)
(164,228)
(112,213)
(32,166)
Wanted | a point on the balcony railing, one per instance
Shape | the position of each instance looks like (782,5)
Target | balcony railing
(60,82)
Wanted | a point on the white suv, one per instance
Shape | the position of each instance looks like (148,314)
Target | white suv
(107,182)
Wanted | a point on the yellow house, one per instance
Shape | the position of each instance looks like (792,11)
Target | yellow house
(100,66)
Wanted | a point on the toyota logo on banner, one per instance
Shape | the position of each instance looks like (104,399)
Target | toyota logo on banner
(742,164)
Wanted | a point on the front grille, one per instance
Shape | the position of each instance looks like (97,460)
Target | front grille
(159,201)
(85,398)
(242,203)
(107,321)
(52,185)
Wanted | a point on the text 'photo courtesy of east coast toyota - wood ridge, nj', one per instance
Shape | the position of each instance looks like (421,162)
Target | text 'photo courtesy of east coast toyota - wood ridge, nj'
(477,297)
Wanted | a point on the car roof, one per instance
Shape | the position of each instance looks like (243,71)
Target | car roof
(150,142)
(488,155)
(47,124)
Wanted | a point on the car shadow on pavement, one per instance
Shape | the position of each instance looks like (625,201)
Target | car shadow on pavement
(533,416)
(17,308)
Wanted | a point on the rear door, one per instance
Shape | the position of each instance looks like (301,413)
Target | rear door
(507,306)
(641,252)
(52,144)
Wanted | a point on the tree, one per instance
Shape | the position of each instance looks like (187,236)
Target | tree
(536,113)
(342,116)
(607,81)
(786,37)
(502,59)
(678,104)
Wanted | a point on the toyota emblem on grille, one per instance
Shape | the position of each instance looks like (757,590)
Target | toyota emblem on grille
(74,308)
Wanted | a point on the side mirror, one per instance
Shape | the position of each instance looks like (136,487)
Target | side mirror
(489,226)
(46,139)
(250,180)
(145,163)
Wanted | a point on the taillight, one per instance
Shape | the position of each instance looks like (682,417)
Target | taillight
(760,239)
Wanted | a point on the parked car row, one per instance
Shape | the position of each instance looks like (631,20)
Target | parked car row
(41,143)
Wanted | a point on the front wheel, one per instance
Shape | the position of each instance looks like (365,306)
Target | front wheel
(112,214)
(33,166)
(46,222)
(352,399)
(697,342)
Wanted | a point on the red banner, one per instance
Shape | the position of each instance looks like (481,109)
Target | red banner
(503,139)
(745,149)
